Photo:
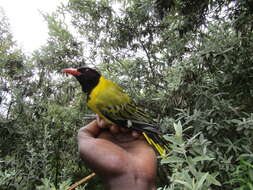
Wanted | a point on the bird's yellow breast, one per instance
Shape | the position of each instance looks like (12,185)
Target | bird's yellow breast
(105,96)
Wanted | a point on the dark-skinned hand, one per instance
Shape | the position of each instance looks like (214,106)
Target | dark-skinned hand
(121,157)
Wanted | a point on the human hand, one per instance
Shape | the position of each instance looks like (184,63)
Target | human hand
(121,157)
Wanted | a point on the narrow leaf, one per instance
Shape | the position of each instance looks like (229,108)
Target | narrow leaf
(201,181)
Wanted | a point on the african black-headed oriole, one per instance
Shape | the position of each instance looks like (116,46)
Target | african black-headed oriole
(108,100)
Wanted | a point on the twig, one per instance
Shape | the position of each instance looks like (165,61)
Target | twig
(82,181)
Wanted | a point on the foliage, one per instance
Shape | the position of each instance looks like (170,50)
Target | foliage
(243,175)
(189,63)
(187,160)
(39,116)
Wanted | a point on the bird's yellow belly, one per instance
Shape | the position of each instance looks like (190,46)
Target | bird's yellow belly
(101,116)
(104,96)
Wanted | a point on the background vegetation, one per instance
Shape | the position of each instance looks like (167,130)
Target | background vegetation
(189,62)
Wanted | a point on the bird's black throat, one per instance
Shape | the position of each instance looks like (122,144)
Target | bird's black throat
(88,79)
(88,85)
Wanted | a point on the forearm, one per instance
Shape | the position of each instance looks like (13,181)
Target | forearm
(126,182)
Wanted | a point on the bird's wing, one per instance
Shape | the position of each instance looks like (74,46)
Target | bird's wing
(116,106)
(129,116)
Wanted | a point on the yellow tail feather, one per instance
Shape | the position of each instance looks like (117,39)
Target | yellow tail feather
(160,150)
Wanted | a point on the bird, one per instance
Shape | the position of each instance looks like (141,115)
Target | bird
(109,101)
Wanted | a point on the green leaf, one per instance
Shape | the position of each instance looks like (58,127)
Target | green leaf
(201,181)
(212,180)
(173,139)
(172,159)
(251,174)
(178,129)
(202,158)
(179,150)
(184,183)
(250,186)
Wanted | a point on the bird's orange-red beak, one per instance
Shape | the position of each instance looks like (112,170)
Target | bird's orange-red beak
(71,71)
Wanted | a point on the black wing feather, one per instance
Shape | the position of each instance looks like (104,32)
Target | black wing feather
(130,116)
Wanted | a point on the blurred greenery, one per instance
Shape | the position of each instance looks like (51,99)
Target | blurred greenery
(189,63)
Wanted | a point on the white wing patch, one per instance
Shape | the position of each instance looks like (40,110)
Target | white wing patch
(129,124)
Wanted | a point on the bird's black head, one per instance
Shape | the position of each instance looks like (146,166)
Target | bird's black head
(87,77)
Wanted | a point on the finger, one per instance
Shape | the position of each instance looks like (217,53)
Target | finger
(102,123)
(90,130)
(114,129)
(135,134)
(141,137)
(124,130)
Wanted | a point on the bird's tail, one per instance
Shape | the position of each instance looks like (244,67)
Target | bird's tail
(157,142)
